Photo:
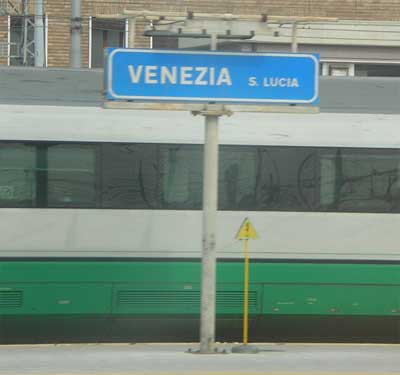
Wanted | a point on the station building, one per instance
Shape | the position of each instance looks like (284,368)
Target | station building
(363,41)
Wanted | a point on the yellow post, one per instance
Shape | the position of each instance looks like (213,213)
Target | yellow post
(246,293)
(246,232)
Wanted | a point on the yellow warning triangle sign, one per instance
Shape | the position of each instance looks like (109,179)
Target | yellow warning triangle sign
(246,231)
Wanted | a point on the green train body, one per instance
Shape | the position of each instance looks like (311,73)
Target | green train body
(173,287)
(166,294)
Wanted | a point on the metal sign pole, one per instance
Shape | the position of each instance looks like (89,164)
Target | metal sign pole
(208,282)
(131,32)
(210,201)
(39,34)
(76,34)
(294,46)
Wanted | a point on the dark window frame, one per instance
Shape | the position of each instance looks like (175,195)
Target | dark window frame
(304,194)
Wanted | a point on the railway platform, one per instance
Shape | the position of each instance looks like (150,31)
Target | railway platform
(168,359)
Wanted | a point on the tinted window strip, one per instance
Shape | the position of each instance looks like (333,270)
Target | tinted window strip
(252,178)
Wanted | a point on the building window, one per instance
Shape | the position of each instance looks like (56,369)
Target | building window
(105,33)
(21,40)
(377,70)
(165,42)
(22,51)
(338,69)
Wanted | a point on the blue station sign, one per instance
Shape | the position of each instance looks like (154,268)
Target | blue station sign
(182,76)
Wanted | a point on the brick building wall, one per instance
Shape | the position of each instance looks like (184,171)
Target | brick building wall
(3,36)
(59,32)
(345,9)
(59,11)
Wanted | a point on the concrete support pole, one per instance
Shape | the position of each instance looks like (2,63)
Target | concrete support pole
(39,34)
(76,34)
(294,37)
(131,32)
(210,204)
(25,36)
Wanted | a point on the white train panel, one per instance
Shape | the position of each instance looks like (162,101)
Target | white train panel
(95,124)
(142,233)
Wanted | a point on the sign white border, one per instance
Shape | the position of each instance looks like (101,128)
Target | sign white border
(217,100)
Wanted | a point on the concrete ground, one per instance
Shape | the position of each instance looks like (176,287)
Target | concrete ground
(168,359)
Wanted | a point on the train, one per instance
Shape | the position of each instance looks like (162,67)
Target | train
(101,225)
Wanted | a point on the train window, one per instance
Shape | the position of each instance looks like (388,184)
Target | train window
(169,176)
(17,175)
(237,178)
(129,174)
(181,176)
(70,175)
(327,181)
(286,180)
(360,181)
(307,178)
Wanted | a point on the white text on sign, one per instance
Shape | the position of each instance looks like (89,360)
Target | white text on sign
(180,75)
(275,82)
